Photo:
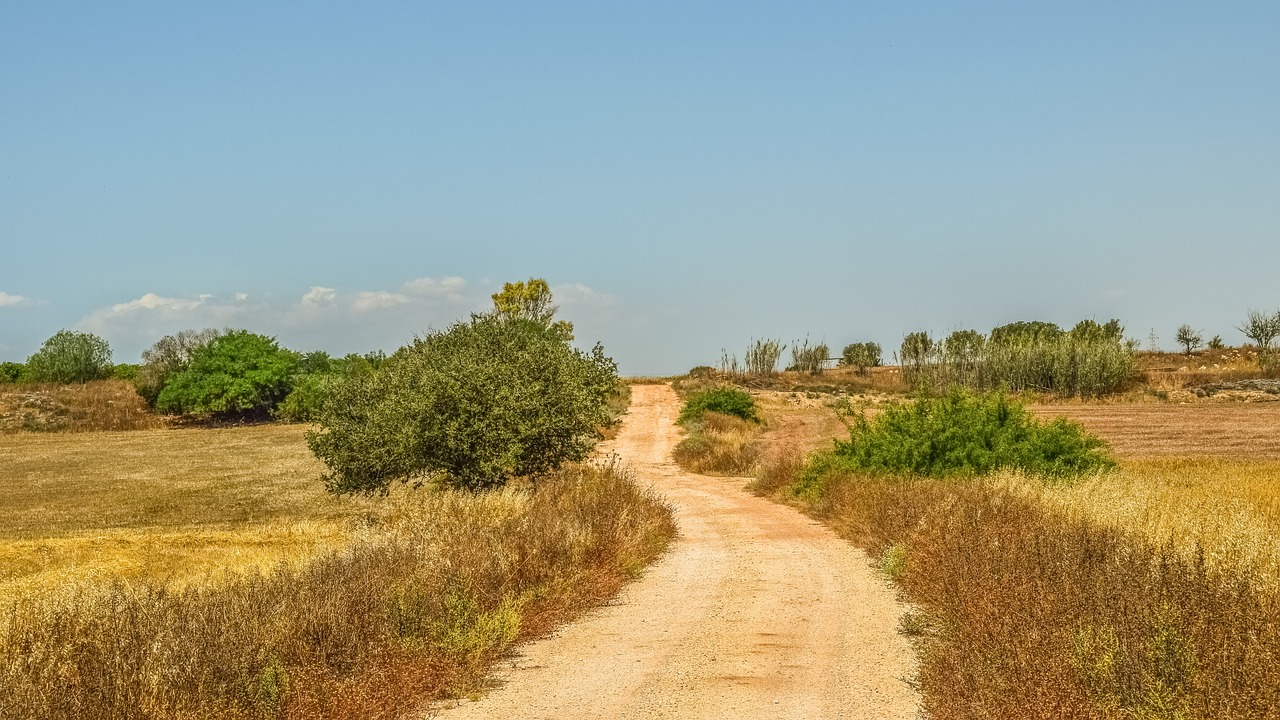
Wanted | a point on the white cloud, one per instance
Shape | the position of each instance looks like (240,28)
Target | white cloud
(324,317)
(319,296)
(577,295)
(449,288)
(6,299)
(151,301)
(370,301)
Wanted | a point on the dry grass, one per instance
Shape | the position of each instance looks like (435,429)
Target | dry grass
(718,444)
(1151,592)
(100,405)
(206,574)
(1225,430)
(170,505)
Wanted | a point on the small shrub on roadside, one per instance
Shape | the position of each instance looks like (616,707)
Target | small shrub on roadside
(718,444)
(724,400)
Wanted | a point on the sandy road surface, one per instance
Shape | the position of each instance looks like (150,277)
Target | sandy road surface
(757,612)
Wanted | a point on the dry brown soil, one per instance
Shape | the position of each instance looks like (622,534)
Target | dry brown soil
(757,612)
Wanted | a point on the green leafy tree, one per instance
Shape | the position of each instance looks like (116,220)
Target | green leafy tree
(1189,338)
(861,355)
(70,357)
(531,301)
(11,372)
(239,373)
(471,407)
(169,356)
(1033,331)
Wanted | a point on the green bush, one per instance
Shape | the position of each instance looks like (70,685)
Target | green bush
(724,400)
(472,407)
(70,357)
(169,356)
(125,371)
(307,398)
(963,435)
(1089,360)
(11,372)
(861,355)
(237,374)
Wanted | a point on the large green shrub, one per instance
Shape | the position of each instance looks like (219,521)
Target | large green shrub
(70,357)
(169,356)
(474,406)
(960,435)
(724,400)
(239,373)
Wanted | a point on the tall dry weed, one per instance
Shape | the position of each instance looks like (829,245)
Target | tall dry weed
(415,608)
(1040,612)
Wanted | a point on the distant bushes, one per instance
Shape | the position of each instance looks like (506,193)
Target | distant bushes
(861,355)
(1088,360)
(70,357)
(963,435)
(236,374)
(724,400)
(808,357)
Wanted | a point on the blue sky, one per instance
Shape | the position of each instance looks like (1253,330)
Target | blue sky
(687,175)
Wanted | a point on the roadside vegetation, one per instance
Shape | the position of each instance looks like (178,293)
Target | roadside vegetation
(208,572)
(1146,588)
(413,605)
(723,424)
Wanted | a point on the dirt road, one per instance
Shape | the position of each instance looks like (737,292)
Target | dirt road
(757,612)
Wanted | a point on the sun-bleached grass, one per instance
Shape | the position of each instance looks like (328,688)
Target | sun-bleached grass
(1148,592)
(718,444)
(94,406)
(1225,511)
(206,574)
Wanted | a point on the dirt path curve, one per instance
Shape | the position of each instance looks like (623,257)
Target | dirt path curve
(757,612)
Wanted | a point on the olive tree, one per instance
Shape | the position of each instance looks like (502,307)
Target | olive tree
(470,407)
(70,357)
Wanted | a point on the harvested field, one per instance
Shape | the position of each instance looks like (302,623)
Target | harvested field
(1226,430)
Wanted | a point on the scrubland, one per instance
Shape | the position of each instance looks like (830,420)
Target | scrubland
(207,574)
(1151,591)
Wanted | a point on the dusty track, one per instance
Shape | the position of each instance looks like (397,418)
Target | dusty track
(757,612)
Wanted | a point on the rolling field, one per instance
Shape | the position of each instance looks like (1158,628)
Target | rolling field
(162,505)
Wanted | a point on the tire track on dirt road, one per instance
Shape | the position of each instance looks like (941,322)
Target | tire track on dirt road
(756,612)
